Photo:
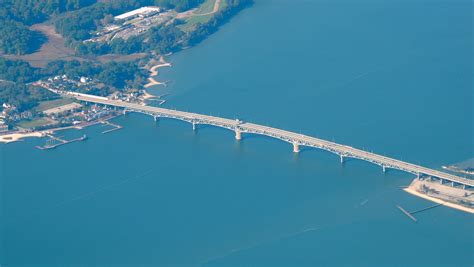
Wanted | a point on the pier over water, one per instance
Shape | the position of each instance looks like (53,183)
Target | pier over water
(297,140)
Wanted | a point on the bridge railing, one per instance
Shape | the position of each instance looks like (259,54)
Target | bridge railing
(290,137)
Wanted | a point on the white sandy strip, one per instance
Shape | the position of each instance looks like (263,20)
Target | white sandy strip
(147,95)
(154,72)
(14,137)
(154,69)
(439,201)
(152,82)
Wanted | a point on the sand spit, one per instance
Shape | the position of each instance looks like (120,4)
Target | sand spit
(15,137)
(154,72)
(439,201)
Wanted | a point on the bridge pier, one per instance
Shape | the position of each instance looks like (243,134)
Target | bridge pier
(194,126)
(296,147)
(342,158)
(238,135)
(156,118)
(289,137)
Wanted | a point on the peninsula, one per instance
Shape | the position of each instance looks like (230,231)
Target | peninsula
(104,48)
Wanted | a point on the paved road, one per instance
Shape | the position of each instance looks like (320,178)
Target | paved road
(296,139)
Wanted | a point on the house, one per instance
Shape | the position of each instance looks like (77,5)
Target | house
(3,126)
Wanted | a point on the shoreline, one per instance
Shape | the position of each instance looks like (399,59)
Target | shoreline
(154,72)
(18,136)
(147,95)
(457,169)
(439,201)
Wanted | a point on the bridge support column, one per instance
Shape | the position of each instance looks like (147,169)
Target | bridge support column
(342,158)
(194,126)
(124,111)
(156,118)
(296,148)
(384,169)
(238,135)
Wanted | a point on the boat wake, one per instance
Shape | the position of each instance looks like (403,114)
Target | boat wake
(81,197)
(258,244)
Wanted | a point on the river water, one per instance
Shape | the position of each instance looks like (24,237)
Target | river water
(390,76)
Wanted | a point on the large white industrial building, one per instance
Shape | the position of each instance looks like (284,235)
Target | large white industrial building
(137,12)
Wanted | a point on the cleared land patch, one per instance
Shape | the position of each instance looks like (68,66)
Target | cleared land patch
(53,49)
(61,109)
(35,123)
(45,105)
(203,14)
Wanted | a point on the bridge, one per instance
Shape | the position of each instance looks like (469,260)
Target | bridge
(297,140)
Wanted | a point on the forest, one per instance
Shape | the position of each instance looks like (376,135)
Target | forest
(23,96)
(164,39)
(18,74)
(75,19)
(78,25)
(17,16)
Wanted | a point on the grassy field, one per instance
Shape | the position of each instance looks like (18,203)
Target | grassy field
(201,15)
(52,104)
(206,7)
(53,49)
(35,123)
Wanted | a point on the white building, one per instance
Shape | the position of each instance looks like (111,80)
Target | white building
(137,12)
(3,126)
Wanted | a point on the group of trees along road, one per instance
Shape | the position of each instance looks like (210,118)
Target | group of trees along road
(75,20)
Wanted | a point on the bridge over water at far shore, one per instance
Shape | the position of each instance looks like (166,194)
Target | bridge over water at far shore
(297,140)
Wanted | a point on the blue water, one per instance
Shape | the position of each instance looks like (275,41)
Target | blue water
(394,77)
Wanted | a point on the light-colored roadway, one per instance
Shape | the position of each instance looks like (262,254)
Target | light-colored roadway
(294,138)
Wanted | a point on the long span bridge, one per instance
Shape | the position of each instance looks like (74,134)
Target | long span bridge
(297,140)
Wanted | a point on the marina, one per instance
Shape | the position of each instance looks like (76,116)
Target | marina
(114,126)
(55,142)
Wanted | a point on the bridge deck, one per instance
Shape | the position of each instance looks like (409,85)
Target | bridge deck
(298,139)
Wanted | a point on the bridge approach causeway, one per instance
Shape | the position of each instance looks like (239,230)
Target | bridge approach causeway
(295,139)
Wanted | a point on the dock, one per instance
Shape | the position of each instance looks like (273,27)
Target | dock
(410,213)
(60,141)
(115,126)
(427,208)
(407,213)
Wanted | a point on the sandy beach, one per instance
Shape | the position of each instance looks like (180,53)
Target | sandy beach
(154,72)
(147,95)
(439,201)
(153,82)
(15,137)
